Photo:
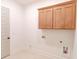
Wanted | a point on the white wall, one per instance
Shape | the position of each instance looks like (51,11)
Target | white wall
(16,25)
(74,55)
(50,45)
(26,35)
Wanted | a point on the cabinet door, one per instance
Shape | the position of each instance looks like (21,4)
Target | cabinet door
(58,16)
(49,18)
(70,16)
(45,18)
(42,19)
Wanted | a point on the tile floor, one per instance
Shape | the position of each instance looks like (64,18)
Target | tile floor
(32,55)
(27,55)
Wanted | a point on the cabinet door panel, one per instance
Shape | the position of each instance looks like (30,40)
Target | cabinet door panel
(42,19)
(58,21)
(69,16)
(49,18)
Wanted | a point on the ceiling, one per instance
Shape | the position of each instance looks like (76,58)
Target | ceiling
(25,2)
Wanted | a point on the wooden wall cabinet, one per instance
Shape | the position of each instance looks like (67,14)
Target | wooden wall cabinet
(45,18)
(70,19)
(60,16)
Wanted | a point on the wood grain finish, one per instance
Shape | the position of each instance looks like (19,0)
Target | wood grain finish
(45,17)
(42,19)
(58,19)
(69,17)
(49,18)
(60,16)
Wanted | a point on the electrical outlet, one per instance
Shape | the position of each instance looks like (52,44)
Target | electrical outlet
(61,41)
(43,36)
